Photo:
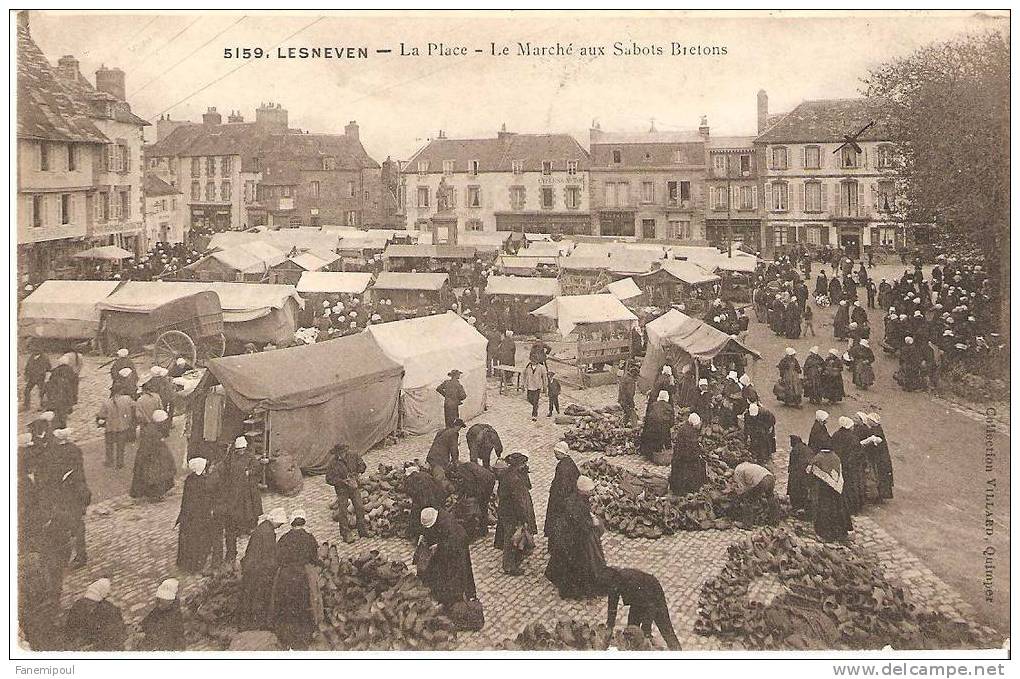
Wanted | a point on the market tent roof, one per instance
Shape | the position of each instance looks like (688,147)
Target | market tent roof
(346,282)
(239,301)
(310,262)
(572,310)
(433,251)
(363,241)
(697,338)
(284,240)
(544,249)
(531,263)
(687,272)
(522,286)
(64,309)
(296,377)
(624,289)
(395,280)
(110,253)
(487,241)
(253,257)
(740,263)
(575,262)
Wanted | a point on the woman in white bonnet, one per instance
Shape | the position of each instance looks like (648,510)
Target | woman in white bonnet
(194,542)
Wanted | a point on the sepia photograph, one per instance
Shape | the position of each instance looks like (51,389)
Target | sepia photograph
(490,334)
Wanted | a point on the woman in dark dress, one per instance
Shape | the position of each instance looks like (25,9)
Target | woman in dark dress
(194,542)
(847,445)
(657,425)
(834,391)
(688,471)
(564,484)
(163,626)
(578,577)
(814,373)
(798,482)
(789,389)
(832,519)
(292,611)
(449,576)
(154,469)
(879,458)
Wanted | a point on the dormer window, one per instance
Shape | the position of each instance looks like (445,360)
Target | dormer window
(547,167)
(473,167)
(329,164)
(423,167)
(617,156)
(517,166)
(447,167)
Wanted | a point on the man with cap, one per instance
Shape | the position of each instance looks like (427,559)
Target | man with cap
(626,388)
(642,592)
(516,526)
(93,623)
(536,379)
(117,419)
(688,471)
(755,483)
(258,569)
(36,368)
(296,605)
(453,395)
(71,495)
(482,441)
(163,625)
(449,576)
(425,491)
(197,527)
(342,473)
(445,450)
(238,502)
(760,433)
(847,445)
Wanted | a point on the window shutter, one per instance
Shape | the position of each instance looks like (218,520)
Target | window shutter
(824,190)
(802,196)
(864,157)
(791,233)
(734,197)
(875,200)
(823,233)
(803,156)
(768,197)
(754,197)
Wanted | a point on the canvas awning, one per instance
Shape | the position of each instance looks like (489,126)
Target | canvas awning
(431,251)
(346,282)
(697,338)
(109,253)
(61,309)
(624,289)
(690,273)
(522,286)
(572,310)
(394,280)
(240,301)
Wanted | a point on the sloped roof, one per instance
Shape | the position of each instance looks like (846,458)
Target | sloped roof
(624,289)
(730,143)
(253,257)
(522,286)
(827,120)
(657,137)
(348,282)
(393,280)
(695,337)
(46,109)
(154,186)
(687,272)
(310,149)
(433,251)
(497,154)
(570,311)
(81,89)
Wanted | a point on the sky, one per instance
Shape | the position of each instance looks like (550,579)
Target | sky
(174,64)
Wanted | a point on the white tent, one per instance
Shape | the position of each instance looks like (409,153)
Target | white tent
(624,289)
(524,286)
(64,309)
(570,311)
(429,348)
(346,282)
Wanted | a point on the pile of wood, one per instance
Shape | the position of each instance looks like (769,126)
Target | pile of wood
(600,430)
(575,635)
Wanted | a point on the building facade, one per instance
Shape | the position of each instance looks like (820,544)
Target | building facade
(732,205)
(534,183)
(649,185)
(78,163)
(165,215)
(818,189)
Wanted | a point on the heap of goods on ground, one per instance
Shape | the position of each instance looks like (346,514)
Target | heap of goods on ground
(833,596)
(575,635)
(600,430)
(369,603)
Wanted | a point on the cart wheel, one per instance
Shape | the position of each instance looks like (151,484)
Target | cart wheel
(213,346)
(170,346)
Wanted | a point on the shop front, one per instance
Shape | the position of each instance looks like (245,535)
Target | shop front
(563,223)
(617,223)
(210,218)
(746,231)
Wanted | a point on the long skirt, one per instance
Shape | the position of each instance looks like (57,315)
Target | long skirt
(832,519)
(864,375)
(153,473)
(194,545)
(688,474)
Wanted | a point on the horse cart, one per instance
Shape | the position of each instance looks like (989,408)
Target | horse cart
(189,327)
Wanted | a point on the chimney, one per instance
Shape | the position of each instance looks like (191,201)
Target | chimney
(211,117)
(703,129)
(67,67)
(503,134)
(23,20)
(165,126)
(763,110)
(442,134)
(235,117)
(594,133)
(351,130)
(271,118)
(111,81)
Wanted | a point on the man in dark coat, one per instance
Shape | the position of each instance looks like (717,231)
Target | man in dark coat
(424,491)
(342,473)
(516,512)
(835,290)
(507,353)
(163,626)
(760,432)
(474,485)
(798,482)
(292,612)
(445,450)
(449,576)
(625,397)
(688,471)
(61,391)
(93,623)
(482,441)
(643,593)
(453,395)
(238,502)
(65,477)
(36,368)
(258,569)
(846,445)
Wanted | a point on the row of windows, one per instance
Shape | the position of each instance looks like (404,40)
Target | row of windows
(314,190)
(65,208)
(226,191)
(678,157)
(676,229)
(225,163)
(516,166)
(812,158)
(518,197)
(818,234)
(163,204)
(742,198)
(53,157)
(617,194)
(722,164)
(814,197)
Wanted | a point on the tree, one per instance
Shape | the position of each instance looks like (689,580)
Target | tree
(948,109)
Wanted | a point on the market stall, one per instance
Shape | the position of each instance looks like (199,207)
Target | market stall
(428,348)
(512,265)
(678,282)
(64,310)
(247,262)
(679,339)
(413,293)
(301,401)
(455,260)
(524,293)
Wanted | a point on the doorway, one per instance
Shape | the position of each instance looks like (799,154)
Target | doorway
(648,228)
(851,244)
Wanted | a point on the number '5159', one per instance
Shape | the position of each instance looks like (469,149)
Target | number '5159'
(243,53)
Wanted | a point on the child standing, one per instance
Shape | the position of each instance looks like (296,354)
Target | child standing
(808,321)
(554,394)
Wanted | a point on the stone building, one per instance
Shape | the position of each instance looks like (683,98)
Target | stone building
(79,161)
(819,190)
(535,183)
(165,213)
(649,185)
(732,207)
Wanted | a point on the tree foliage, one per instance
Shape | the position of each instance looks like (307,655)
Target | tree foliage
(948,108)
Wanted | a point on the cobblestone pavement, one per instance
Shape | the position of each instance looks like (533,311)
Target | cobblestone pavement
(134,544)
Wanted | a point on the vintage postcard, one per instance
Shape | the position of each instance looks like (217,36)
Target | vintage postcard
(504,332)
